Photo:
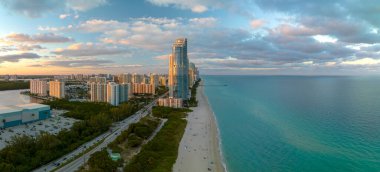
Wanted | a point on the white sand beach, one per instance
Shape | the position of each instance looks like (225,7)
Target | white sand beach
(199,147)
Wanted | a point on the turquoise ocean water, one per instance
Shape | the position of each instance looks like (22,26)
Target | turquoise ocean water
(294,123)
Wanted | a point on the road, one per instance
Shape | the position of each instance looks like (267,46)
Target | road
(108,137)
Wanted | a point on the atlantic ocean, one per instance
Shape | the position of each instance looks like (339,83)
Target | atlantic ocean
(297,123)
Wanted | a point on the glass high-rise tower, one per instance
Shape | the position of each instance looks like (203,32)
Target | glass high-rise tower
(179,70)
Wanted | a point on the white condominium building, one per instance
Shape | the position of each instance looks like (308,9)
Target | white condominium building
(98,92)
(39,87)
(113,93)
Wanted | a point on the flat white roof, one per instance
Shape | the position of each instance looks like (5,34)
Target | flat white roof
(32,106)
(9,109)
(19,108)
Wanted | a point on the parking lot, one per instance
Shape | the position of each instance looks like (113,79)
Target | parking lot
(52,125)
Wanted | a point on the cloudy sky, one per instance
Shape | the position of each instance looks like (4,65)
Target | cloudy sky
(289,37)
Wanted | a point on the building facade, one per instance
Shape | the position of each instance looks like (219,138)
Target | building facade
(141,88)
(163,80)
(98,92)
(137,78)
(113,93)
(57,89)
(124,90)
(39,87)
(153,79)
(98,79)
(21,114)
(170,102)
(179,70)
(125,78)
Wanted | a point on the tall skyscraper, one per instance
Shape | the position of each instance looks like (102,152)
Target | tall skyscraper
(113,93)
(179,70)
(98,92)
(57,89)
(39,87)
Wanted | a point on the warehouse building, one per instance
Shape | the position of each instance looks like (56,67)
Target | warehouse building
(21,114)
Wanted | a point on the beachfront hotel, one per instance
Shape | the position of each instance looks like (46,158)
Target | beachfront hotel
(179,70)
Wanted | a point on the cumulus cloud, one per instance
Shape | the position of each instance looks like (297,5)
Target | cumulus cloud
(203,22)
(26,47)
(197,6)
(17,57)
(36,8)
(63,16)
(37,38)
(363,61)
(162,57)
(77,63)
(97,25)
(88,49)
(84,5)
(257,23)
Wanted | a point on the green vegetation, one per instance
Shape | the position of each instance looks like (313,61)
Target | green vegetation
(132,137)
(79,155)
(135,134)
(102,162)
(161,90)
(25,153)
(193,99)
(13,85)
(161,152)
(86,110)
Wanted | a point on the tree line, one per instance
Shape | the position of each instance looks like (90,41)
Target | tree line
(25,153)
(13,85)
(161,152)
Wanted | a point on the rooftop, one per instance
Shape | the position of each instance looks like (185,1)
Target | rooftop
(9,109)
(32,106)
(18,108)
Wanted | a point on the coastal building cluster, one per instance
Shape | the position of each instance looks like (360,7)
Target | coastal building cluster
(182,75)
(116,89)
(113,89)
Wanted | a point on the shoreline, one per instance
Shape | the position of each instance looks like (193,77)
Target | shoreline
(200,146)
(218,138)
